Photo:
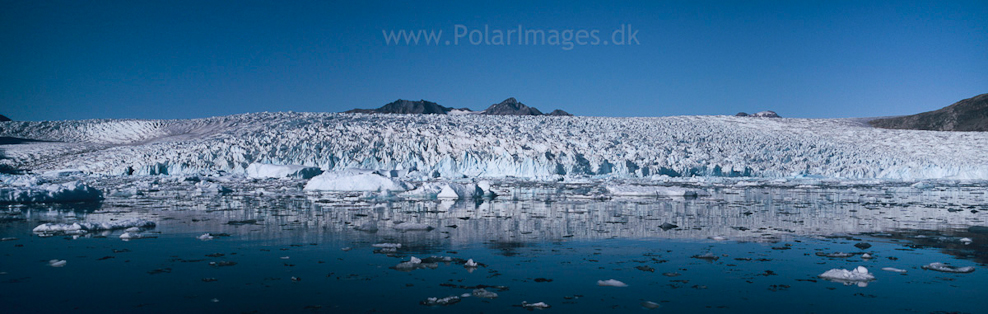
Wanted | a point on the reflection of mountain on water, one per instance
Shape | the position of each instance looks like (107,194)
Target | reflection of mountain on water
(746,215)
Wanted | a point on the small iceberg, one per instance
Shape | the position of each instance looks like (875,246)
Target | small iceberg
(537,305)
(483,293)
(354,180)
(941,267)
(611,283)
(894,270)
(57,263)
(470,263)
(859,276)
(441,301)
(84,227)
(205,237)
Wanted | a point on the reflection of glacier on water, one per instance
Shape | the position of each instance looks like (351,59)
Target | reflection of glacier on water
(757,214)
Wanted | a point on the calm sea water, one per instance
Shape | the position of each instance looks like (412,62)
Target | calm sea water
(748,250)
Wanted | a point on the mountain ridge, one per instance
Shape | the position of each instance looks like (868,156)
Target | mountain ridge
(967,115)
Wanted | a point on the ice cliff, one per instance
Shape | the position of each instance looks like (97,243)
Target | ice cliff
(538,147)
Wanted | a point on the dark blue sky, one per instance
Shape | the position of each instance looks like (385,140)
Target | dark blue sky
(187,59)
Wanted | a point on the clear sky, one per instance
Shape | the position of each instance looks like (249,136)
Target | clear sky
(188,59)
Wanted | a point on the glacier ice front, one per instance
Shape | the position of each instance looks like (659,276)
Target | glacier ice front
(259,170)
(532,147)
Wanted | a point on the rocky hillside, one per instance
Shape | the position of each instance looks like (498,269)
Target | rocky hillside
(966,115)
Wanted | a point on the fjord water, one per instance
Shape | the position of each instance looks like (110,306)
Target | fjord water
(738,250)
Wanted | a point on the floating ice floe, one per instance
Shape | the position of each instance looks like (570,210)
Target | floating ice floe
(537,305)
(441,301)
(84,227)
(354,180)
(205,237)
(894,270)
(941,267)
(966,241)
(483,293)
(412,226)
(652,191)
(259,170)
(57,263)
(387,245)
(470,263)
(650,305)
(74,191)
(211,188)
(611,283)
(859,276)
(835,254)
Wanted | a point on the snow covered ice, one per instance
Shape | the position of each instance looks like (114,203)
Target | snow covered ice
(859,276)
(536,147)
(26,192)
(941,267)
(611,283)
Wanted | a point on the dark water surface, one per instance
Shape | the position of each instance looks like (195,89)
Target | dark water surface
(749,250)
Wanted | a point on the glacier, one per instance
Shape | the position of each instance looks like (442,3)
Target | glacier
(451,147)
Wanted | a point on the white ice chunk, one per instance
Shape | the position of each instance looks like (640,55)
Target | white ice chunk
(205,237)
(947,268)
(74,191)
(537,305)
(611,283)
(447,192)
(470,263)
(893,269)
(483,293)
(353,180)
(859,275)
(91,227)
(652,191)
(387,245)
(57,263)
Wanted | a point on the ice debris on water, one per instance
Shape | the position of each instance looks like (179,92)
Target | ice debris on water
(470,263)
(387,245)
(84,227)
(74,191)
(433,301)
(483,293)
(205,237)
(894,270)
(611,283)
(966,241)
(941,267)
(57,263)
(537,305)
(650,305)
(354,180)
(859,276)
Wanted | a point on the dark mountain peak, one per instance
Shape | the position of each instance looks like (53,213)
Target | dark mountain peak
(966,115)
(402,106)
(4,118)
(560,113)
(511,107)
